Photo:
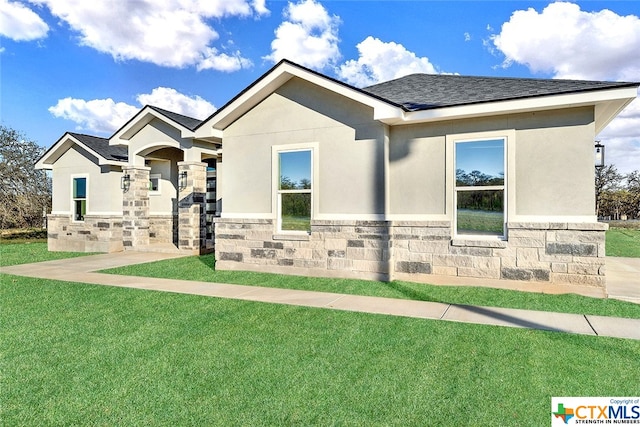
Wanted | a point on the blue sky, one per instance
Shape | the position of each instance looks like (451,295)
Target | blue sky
(484,156)
(88,66)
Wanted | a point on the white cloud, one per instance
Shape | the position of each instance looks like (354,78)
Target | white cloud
(170,33)
(571,43)
(214,60)
(622,139)
(98,115)
(20,23)
(104,116)
(260,7)
(308,36)
(380,61)
(172,100)
(467,37)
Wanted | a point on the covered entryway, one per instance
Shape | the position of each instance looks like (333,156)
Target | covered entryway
(169,203)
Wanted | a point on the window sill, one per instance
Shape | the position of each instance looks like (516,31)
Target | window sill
(478,242)
(303,237)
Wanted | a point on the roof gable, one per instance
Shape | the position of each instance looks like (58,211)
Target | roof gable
(184,124)
(96,146)
(277,76)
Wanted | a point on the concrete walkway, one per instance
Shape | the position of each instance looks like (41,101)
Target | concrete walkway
(623,278)
(83,270)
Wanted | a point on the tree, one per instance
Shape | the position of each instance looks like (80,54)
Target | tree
(608,180)
(24,191)
(633,186)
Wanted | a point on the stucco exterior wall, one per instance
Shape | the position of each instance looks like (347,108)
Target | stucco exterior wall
(155,135)
(350,152)
(554,171)
(164,162)
(554,163)
(103,193)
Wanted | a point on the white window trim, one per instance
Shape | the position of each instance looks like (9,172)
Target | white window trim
(275,180)
(509,137)
(159,178)
(73,199)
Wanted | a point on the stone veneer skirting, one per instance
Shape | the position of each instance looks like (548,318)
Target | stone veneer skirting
(97,233)
(562,253)
(163,229)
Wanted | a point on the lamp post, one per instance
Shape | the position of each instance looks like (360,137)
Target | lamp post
(599,155)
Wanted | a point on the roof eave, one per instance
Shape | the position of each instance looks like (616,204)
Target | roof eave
(608,103)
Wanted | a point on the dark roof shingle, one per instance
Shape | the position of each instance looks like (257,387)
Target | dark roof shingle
(428,91)
(186,121)
(102,147)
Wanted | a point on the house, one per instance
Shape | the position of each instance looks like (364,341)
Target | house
(422,176)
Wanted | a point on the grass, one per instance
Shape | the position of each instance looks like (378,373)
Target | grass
(18,251)
(296,223)
(202,269)
(76,354)
(623,242)
(477,221)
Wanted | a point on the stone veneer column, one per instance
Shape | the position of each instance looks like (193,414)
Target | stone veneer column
(135,208)
(191,206)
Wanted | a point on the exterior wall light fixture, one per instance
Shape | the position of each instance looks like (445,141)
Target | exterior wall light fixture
(599,155)
(125,182)
(182,180)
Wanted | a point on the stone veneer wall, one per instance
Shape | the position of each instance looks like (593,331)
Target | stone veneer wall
(192,208)
(163,229)
(359,249)
(96,233)
(135,208)
(563,253)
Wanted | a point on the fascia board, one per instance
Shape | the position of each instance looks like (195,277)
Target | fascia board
(62,146)
(139,121)
(207,132)
(621,95)
(55,152)
(262,89)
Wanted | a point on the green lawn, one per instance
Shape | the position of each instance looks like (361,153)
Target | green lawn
(19,251)
(296,223)
(201,269)
(623,242)
(478,221)
(76,354)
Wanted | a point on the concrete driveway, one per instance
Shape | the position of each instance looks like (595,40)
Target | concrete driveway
(623,278)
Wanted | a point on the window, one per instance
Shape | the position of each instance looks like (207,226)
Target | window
(294,191)
(479,187)
(79,198)
(154,183)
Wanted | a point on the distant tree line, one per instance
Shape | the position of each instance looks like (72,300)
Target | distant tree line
(617,195)
(486,200)
(25,193)
(295,204)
